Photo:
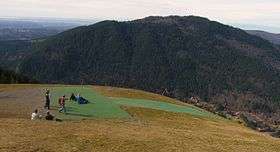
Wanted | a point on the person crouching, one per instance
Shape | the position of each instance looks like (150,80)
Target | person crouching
(35,115)
(49,116)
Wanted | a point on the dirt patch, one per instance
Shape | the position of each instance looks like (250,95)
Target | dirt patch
(19,103)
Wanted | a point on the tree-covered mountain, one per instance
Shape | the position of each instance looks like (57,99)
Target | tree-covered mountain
(13,52)
(182,56)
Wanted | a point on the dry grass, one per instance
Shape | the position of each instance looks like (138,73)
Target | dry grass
(19,102)
(134,94)
(148,130)
(151,130)
(11,87)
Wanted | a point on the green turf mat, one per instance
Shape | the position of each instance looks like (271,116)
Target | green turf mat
(158,105)
(103,107)
(99,106)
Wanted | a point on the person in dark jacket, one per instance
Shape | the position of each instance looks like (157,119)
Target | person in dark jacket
(48,99)
(73,97)
(49,116)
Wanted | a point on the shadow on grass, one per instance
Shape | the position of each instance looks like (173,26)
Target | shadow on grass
(67,108)
(70,111)
(76,114)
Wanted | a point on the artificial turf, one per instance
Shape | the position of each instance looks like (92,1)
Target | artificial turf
(105,107)
(159,105)
(99,106)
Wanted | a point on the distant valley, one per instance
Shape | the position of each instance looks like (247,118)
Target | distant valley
(28,29)
(27,34)
(271,37)
(18,36)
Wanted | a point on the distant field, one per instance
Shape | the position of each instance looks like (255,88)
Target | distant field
(146,123)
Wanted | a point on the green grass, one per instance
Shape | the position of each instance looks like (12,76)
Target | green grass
(99,106)
(106,107)
(159,105)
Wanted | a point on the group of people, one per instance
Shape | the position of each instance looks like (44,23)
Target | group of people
(61,102)
(35,115)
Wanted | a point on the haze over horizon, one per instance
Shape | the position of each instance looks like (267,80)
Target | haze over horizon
(250,14)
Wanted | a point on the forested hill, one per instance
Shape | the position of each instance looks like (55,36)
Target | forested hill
(185,56)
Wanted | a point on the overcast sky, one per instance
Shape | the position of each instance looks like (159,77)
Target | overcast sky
(253,12)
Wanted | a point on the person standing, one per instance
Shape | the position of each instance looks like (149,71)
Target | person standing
(48,99)
(62,104)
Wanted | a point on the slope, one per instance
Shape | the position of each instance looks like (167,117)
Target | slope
(13,52)
(106,107)
(184,56)
(137,98)
(149,130)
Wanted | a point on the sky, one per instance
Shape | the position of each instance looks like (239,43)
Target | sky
(246,13)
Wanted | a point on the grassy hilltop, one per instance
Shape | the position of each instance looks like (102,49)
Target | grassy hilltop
(119,120)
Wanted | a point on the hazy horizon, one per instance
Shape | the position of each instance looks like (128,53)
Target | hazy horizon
(263,15)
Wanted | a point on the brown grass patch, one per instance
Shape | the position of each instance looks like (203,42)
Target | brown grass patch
(134,94)
(148,130)
(20,102)
(151,130)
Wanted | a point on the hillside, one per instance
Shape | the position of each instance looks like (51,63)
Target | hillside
(141,129)
(181,56)
(273,38)
(18,35)
(13,52)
